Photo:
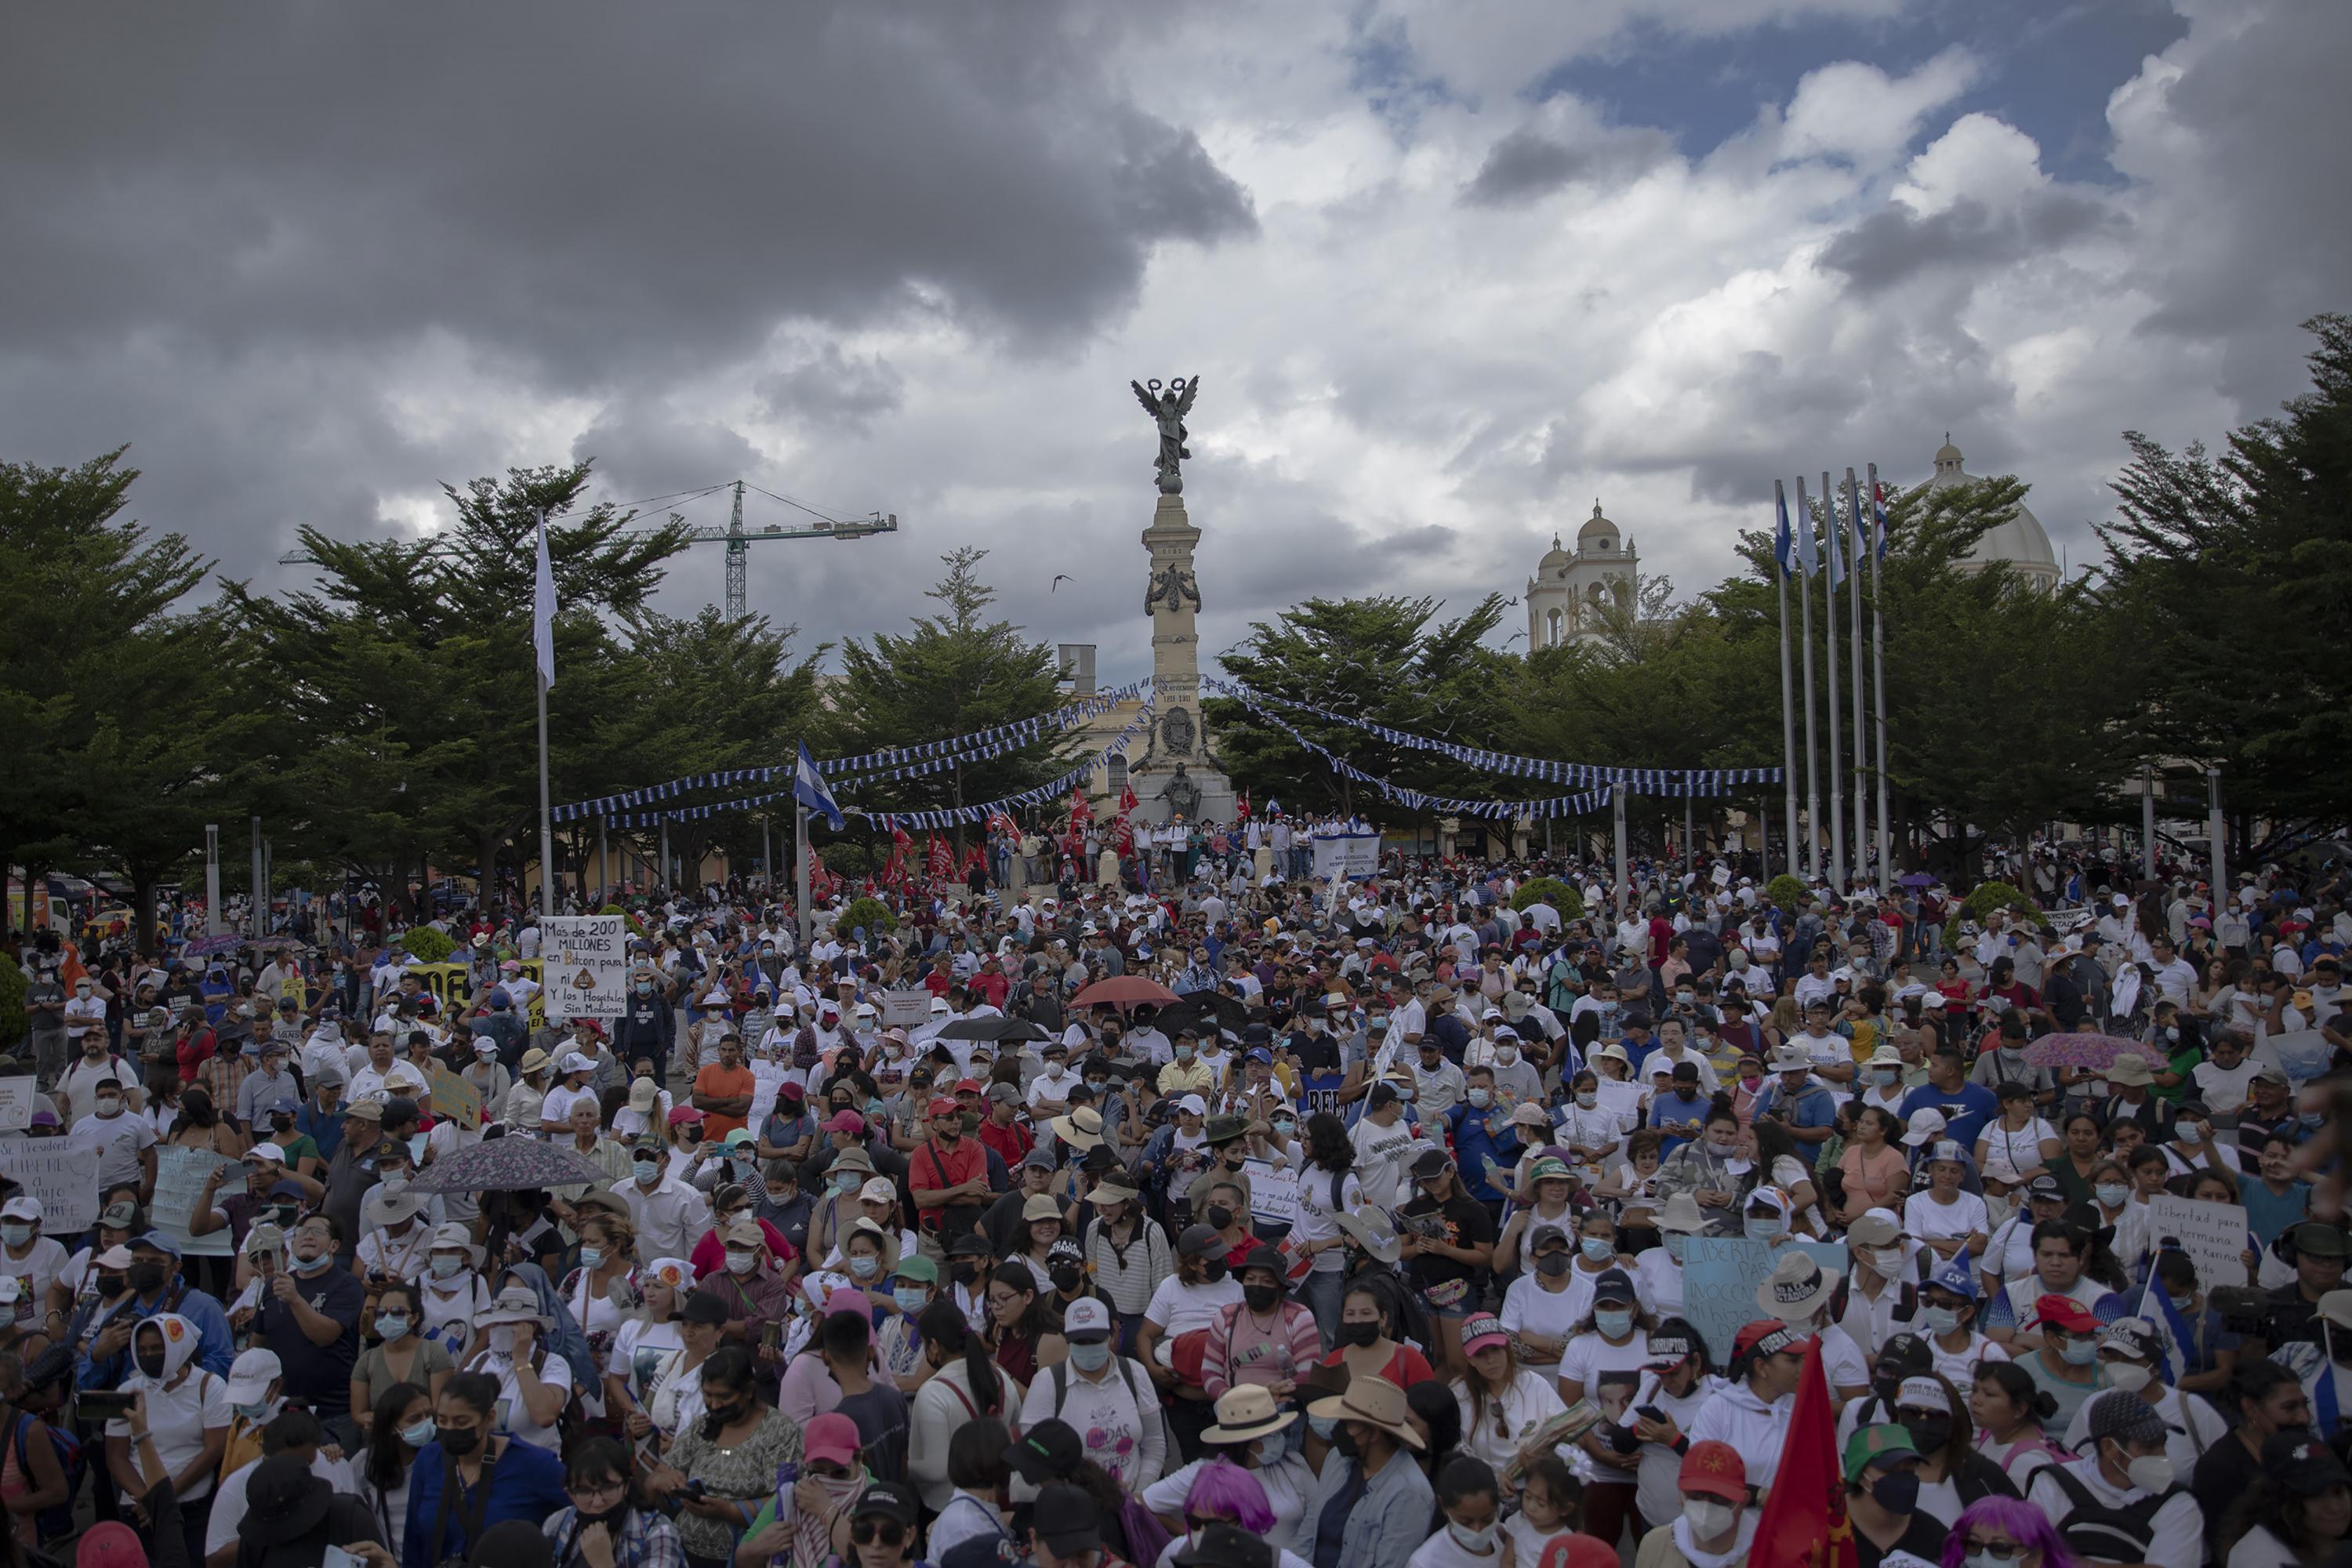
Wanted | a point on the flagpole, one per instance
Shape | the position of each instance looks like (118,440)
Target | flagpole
(1788,691)
(546,822)
(542,645)
(1861,756)
(801,877)
(1812,758)
(1878,676)
(1837,777)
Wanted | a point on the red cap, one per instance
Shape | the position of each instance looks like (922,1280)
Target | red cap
(111,1545)
(2065,1312)
(969,1085)
(1769,1336)
(942,1106)
(831,1436)
(1578,1551)
(684,1113)
(844,1121)
(1715,1466)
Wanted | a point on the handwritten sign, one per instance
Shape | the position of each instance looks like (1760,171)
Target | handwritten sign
(767,1080)
(2214,1235)
(1273,1191)
(587,964)
(456,1099)
(906,1009)
(180,1175)
(64,1180)
(1720,1275)
(17,1096)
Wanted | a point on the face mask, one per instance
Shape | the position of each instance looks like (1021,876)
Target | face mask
(1478,1542)
(111,1285)
(863,1266)
(911,1299)
(1322,1426)
(1406,1092)
(1220,1216)
(2181,1303)
(1066,1277)
(1598,1249)
(458,1445)
(2129,1376)
(1183,1053)
(391,1326)
(1710,1517)
(502,1339)
(1677,1245)
(1552,1265)
(1897,1492)
(1360,1333)
(2150,1473)
(1506,1055)
(2080,1353)
(648,1171)
(1939,1320)
(2111,1194)
(1722,1147)
(1478,1099)
(1260,1298)
(417,1436)
(445,1267)
(1586,1100)
(592,1258)
(1285,1126)
(739,1261)
(1766,1230)
(151,1363)
(1929,1433)
(1350,1447)
(16,1235)
(644,987)
(964,1273)
(1271,1448)
(1885,1076)
(259,1415)
(1887,1260)
(146,1278)
(1090,1357)
(1613,1324)
(110,1105)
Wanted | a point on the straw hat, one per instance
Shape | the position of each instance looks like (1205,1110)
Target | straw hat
(1375,1402)
(1246,1411)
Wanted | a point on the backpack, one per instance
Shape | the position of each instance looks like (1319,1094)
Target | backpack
(2097,1532)
(56,1521)
(1125,1375)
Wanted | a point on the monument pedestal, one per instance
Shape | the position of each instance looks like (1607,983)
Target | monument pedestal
(1176,767)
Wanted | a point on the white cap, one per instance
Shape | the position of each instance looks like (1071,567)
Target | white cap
(1926,1126)
(575,1062)
(22,1207)
(270,1152)
(251,1374)
(878,1190)
(1193,1103)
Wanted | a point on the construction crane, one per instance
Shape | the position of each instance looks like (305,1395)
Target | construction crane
(738,539)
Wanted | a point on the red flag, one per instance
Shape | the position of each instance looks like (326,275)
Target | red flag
(1241,807)
(942,865)
(1804,1523)
(1079,810)
(1126,801)
(1126,835)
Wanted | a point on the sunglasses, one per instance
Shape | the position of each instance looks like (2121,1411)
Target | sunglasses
(866,1532)
(1999,1551)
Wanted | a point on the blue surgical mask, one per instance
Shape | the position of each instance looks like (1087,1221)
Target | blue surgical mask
(865,1265)
(846,1182)
(1598,1249)
(1478,1099)
(1766,1229)
(1273,1446)
(2181,1303)
(911,1299)
(419,1434)
(1939,1320)
(392,1325)
(1614,1323)
(1090,1357)
(648,1171)
(592,1258)
(1677,1245)
(1323,1426)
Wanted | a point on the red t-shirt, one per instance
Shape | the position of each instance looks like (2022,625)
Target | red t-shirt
(932,1169)
(995,988)
(1405,1368)
(1012,1144)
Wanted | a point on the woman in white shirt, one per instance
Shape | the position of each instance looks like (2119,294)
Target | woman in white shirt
(649,1346)
(534,1383)
(188,1411)
(1502,1403)
(1539,1309)
(1947,1219)
(2016,1146)
(455,1293)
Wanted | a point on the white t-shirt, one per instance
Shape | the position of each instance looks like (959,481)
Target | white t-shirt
(1532,1400)
(1593,1362)
(1528,1307)
(120,1141)
(179,1419)
(1924,1219)
(35,1272)
(1178,1309)
(2178,1528)
(1442,1551)
(1315,1221)
(513,1418)
(2224,1089)
(1381,1153)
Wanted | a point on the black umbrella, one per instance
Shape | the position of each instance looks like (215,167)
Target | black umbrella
(992,1030)
(1212,1008)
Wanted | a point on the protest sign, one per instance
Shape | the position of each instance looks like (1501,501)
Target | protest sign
(1273,1191)
(456,1099)
(2302,1054)
(1720,1276)
(65,1181)
(1345,855)
(1622,1101)
(908,1009)
(767,1080)
(180,1173)
(16,1096)
(587,965)
(2214,1237)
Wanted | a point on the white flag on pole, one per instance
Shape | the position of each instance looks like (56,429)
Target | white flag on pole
(542,610)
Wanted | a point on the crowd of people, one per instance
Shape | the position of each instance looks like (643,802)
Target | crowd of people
(1244,1223)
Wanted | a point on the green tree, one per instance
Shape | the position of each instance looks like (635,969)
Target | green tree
(956,670)
(2233,574)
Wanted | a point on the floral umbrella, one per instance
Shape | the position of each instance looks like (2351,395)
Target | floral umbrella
(509,1164)
(2088,1051)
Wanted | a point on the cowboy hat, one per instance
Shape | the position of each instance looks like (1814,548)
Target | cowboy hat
(1246,1410)
(1375,1402)
(1797,1288)
(1372,1231)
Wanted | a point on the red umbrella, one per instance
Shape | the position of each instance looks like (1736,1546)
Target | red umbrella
(1123,991)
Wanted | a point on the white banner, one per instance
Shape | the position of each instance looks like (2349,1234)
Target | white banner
(767,1080)
(2214,1237)
(1273,1191)
(908,1009)
(65,1180)
(180,1173)
(587,964)
(1346,854)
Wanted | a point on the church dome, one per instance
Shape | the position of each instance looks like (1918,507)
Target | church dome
(1555,559)
(1598,532)
(2022,542)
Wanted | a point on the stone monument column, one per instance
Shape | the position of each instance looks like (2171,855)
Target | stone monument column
(1175,774)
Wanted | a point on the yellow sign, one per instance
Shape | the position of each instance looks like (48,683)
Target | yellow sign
(455,1098)
(452,987)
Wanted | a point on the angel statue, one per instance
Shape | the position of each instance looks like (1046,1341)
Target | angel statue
(1168,405)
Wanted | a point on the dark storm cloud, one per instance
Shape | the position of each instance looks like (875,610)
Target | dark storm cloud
(833,389)
(1528,166)
(1893,245)
(584,188)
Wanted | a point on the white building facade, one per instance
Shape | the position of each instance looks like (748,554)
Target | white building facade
(1569,592)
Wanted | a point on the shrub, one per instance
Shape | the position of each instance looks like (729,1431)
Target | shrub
(1987,898)
(1786,892)
(1550,890)
(426,945)
(635,924)
(14,1024)
(871,914)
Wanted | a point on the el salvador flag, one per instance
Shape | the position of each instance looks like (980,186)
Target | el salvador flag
(809,789)
(1784,541)
(2155,1305)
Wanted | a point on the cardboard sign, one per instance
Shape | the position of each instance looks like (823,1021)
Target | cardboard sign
(1720,1276)
(180,1175)
(1273,1191)
(909,1009)
(17,1096)
(65,1181)
(456,1099)
(767,1080)
(2214,1235)
(587,964)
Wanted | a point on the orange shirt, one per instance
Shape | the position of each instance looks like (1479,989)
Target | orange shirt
(720,1083)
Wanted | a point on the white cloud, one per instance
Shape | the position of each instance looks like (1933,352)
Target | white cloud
(1858,113)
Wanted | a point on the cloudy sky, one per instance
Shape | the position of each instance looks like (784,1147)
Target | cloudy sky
(1448,270)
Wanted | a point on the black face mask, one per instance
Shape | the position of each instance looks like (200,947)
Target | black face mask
(1359,1333)
(611,1518)
(1213,1270)
(146,1278)
(1220,1216)
(458,1442)
(151,1363)
(109,1285)
(1261,1298)
(964,1273)
(1897,1491)
(1344,1438)
(1929,1433)
(1554,1264)
(1067,1277)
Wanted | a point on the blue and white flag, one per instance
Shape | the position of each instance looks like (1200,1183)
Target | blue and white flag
(1878,514)
(542,610)
(2156,1305)
(1829,531)
(1861,537)
(809,789)
(1784,542)
(1807,560)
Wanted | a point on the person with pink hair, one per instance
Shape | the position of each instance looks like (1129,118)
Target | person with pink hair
(2005,1532)
(1224,1493)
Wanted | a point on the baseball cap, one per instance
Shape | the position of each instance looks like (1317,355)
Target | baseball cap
(250,1376)
(1046,1450)
(831,1436)
(1882,1443)
(1087,1319)
(886,1499)
(2126,1417)
(2302,1463)
(2064,1313)
(1201,1241)
(1482,1331)
(1065,1519)
(1716,1469)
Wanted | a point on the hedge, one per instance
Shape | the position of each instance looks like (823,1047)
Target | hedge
(871,914)
(1550,890)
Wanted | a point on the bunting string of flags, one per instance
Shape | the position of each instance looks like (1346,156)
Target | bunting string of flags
(888,765)
(1668,782)
(917,821)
